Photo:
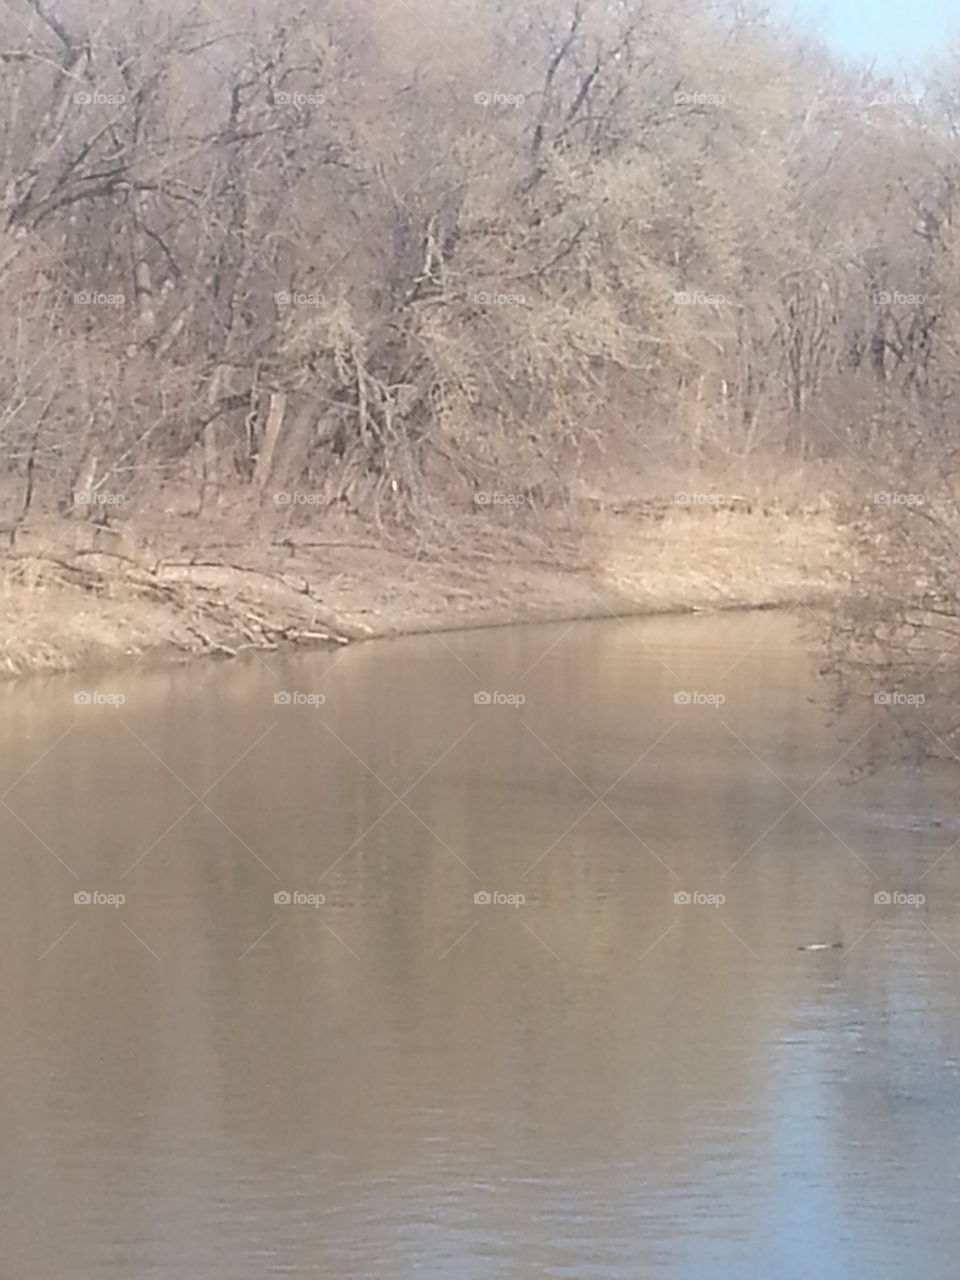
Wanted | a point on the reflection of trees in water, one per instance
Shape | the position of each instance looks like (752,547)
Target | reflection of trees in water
(648,1057)
(891,649)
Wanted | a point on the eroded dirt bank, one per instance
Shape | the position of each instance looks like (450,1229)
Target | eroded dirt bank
(75,597)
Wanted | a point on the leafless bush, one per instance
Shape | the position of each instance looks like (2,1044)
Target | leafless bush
(278,251)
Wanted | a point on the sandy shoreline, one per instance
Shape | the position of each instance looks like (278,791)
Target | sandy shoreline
(68,606)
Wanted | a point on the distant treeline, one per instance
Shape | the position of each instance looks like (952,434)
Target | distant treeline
(394,255)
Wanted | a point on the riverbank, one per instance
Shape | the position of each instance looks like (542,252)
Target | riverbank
(77,596)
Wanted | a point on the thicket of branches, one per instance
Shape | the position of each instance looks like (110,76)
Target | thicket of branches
(393,255)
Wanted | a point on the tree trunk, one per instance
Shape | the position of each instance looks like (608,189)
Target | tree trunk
(210,486)
(268,445)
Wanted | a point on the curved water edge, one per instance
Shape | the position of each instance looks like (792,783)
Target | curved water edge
(115,658)
(121,614)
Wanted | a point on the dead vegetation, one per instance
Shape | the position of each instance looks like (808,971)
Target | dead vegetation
(386,265)
(280,274)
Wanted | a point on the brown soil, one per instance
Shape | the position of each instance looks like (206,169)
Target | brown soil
(77,596)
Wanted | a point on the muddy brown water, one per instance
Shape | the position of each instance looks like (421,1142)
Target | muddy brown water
(586,1076)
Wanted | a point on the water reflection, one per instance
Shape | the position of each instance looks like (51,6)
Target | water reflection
(600,1082)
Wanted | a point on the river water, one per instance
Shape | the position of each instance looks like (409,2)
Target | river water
(584,1076)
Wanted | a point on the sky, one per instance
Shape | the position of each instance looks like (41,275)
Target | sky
(887,32)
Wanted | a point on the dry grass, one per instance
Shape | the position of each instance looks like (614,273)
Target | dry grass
(66,608)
